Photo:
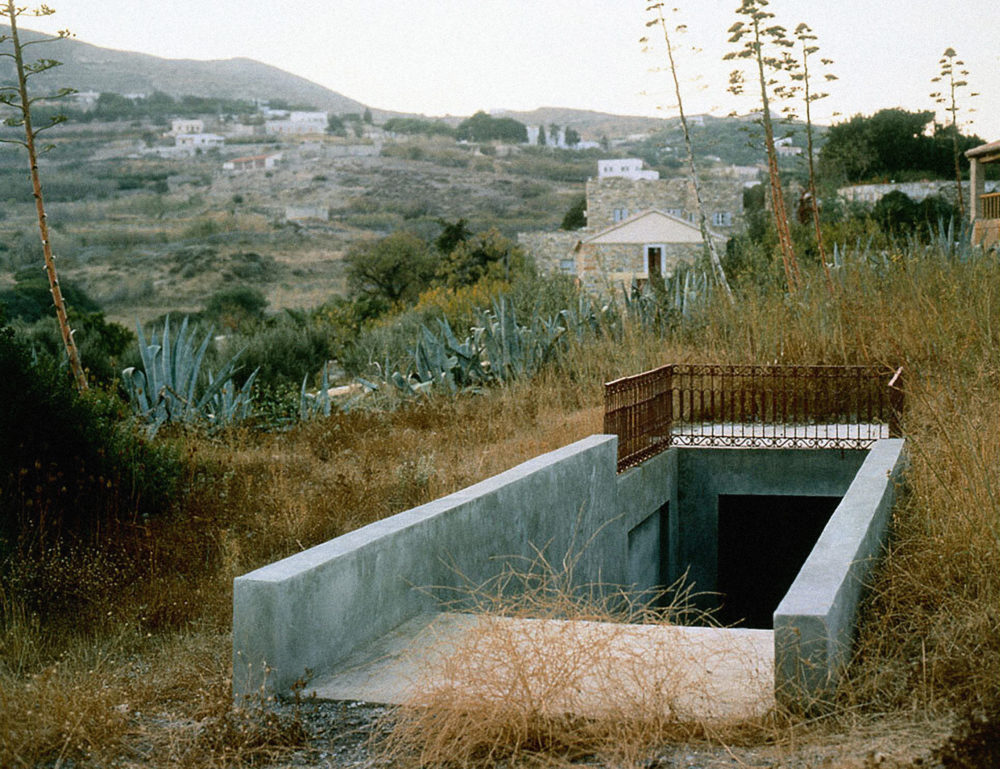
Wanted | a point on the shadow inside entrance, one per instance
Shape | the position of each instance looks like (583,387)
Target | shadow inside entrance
(763,541)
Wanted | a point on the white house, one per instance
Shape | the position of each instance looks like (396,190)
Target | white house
(298,123)
(186,125)
(252,163)
(785,148)
(199,141)
(627,168)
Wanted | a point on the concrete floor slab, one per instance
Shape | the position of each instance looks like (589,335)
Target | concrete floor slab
(586,668)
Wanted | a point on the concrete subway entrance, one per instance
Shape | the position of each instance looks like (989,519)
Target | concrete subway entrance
(763,541)
(679,515)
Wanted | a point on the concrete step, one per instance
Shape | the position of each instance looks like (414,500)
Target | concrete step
(594,669)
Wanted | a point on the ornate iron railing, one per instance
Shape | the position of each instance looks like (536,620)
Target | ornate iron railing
(847,407)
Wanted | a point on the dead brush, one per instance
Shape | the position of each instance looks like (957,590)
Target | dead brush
(546,673)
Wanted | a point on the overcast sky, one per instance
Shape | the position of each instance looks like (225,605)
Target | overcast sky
(441,57)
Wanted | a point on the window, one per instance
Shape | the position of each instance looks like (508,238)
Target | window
(567,265)
(722,219)
(620,214)
(678,212)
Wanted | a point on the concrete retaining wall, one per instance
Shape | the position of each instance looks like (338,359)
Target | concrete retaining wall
(313,609)
(644,528)
(814,624)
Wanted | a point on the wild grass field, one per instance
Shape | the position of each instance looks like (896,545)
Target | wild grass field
(115,648)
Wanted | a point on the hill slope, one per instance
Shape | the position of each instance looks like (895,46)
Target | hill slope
(89,67)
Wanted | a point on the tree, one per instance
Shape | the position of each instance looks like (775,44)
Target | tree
(17,98)
(485,254)
(393,269)
(760,43)
(713,254)
(367,116)
(807,39)
(484,128)
(953,74)
(572,137)
(890,143)
(335,125)
(452,233)
(542,139)
(576,217)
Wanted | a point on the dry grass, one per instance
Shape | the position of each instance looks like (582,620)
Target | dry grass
(541,672)
(151,637)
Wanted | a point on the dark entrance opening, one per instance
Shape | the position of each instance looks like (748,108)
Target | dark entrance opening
(763,542)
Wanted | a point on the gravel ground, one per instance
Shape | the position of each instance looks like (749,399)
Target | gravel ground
(340,736)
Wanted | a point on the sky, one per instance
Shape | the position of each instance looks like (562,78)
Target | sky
(440,57)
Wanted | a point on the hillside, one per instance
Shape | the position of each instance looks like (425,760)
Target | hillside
(89,67)
(589,123)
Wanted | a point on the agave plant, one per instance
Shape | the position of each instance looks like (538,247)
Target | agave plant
(170,386)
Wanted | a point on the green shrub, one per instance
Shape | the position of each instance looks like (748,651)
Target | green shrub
(72,469)
(250,266)
(31,299)
(287,349)
(236,306)
(101,343)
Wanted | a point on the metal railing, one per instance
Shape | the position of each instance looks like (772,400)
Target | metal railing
(847,407)
(991,205)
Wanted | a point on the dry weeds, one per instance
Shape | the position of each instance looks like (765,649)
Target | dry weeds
(542,672)
(151,634)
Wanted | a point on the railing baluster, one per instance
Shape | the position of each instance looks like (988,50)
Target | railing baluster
(831,406)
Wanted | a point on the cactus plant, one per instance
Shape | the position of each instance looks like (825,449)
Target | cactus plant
(170,387)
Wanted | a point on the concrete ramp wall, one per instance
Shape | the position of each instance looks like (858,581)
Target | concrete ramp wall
(313,609)
(815,623)
(641,529)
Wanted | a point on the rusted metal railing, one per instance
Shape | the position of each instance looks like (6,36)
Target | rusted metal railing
(991,205)
(848,407)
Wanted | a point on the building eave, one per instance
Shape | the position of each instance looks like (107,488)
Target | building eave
(985,153)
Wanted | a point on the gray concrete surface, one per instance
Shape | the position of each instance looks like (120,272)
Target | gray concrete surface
(604,669)
(314,609)
(815,623)
(323,609)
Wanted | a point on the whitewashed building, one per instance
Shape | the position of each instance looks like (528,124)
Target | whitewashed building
(625,168)
(297,124)
(252,163)
(186,125)
(199,141)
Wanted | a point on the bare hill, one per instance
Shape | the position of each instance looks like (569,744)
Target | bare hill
(589,123)
(89,67)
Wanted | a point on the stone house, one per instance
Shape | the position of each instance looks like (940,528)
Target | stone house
(645,243)
(613,199)
(984,208)
(633,222)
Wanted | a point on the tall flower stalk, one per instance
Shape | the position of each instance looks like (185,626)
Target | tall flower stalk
(759,41)
(17,98)
(713,253)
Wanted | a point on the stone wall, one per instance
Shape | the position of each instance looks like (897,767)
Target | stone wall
(552,251)
(604,268)
(722,192)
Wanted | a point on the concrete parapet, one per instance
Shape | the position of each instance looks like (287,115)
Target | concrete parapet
(815,623)
(313,609)
(320,609)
